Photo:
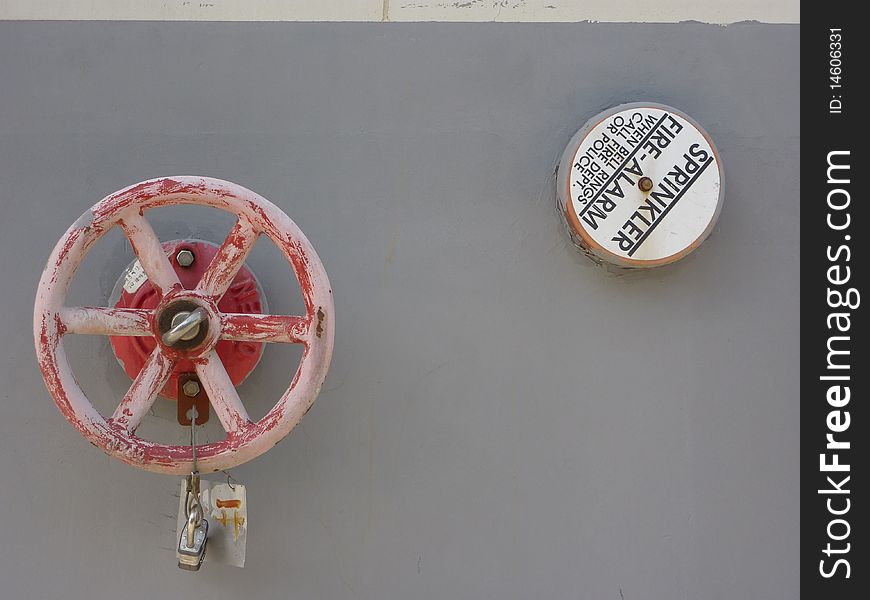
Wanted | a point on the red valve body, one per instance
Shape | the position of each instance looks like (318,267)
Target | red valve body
(243,296)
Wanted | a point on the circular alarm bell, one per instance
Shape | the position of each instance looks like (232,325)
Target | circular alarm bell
(640,185)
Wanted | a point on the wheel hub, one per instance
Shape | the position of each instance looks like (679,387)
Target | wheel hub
(189,259)
(182,325)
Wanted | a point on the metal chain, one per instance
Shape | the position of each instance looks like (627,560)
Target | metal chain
(193,415)
(193,506)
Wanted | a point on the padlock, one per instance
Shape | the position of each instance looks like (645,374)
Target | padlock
(192,544)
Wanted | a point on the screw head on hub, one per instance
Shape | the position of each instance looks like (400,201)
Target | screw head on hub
(190,388)
(185,258)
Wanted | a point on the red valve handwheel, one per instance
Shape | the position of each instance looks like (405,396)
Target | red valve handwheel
(115,434)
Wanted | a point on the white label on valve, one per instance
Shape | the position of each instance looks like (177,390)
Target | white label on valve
(643,185)
(135,278)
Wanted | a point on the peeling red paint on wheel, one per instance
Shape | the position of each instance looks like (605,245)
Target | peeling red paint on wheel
(250,439)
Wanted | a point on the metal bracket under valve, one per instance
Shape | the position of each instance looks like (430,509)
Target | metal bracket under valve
(191,396)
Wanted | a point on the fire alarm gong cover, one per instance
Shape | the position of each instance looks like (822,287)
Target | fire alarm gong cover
(640,185)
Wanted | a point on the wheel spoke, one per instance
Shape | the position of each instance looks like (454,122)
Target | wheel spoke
(106,321)
(228,260)
(141,395)
(281,329)
(222,393)
(151,256)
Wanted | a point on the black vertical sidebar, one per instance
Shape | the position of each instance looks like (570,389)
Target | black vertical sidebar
(834,344)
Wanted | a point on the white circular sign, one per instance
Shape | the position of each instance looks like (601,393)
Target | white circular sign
(640,185)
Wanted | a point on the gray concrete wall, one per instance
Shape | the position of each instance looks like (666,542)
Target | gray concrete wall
(502,419)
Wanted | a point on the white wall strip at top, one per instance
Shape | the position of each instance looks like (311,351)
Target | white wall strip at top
(630,11)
